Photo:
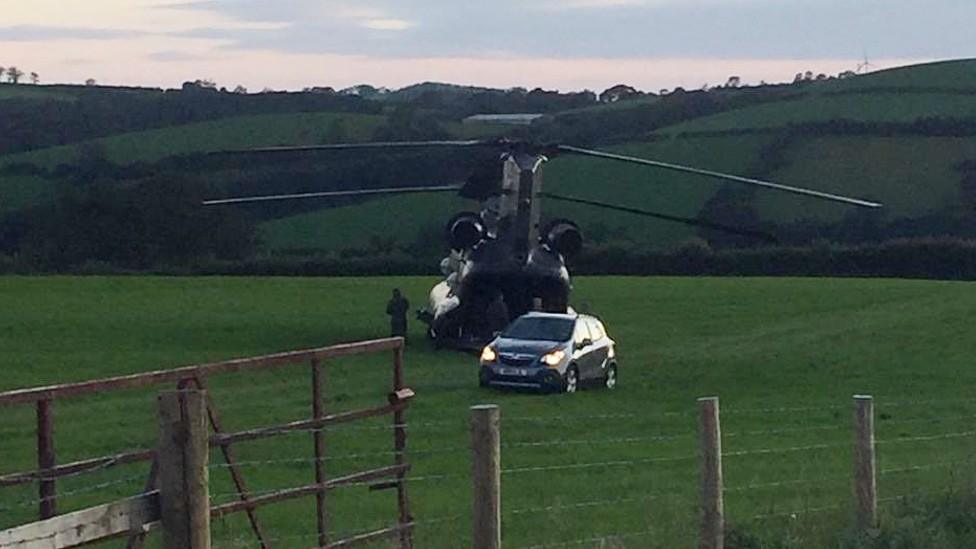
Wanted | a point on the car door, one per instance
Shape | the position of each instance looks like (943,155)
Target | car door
(583,345)
(599,350)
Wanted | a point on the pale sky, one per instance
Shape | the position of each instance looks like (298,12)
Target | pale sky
(556,44)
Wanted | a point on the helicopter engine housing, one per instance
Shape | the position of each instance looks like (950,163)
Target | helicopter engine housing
(564,236)
(465,230)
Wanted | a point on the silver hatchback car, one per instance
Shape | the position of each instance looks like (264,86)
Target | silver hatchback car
(551,352)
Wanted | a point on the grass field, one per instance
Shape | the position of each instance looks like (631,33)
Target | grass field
(878,106)
(337,228)
(785,355)
(912,176)
(29,91)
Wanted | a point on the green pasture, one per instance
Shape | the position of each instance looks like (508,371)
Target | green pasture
(261,130)
(30,91)
(912,176)
(784,355)
(602,180)
(264,130)
(871,106)
(956,74)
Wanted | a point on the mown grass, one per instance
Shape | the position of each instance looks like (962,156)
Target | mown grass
(785,355)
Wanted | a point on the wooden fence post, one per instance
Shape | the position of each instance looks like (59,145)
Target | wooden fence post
(712,533)
(184,480)
(318,411)
(486,476)
(865,475)
(47,489)
(405,519)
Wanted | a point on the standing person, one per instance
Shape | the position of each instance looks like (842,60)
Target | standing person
(397,309)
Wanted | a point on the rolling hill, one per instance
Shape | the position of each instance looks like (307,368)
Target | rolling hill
(863,136)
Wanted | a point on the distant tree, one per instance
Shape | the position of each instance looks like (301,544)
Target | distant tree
(733,82)
(808,75)
(362,90)
(2,70)
(821,76)
(798,78)
(846,74)
(14,75)
(240,90)
(406,123)
(663,91)
(35,78)
(90,82)
(620,92)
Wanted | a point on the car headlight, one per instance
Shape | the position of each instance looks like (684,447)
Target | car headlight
(554,358)
(488,354)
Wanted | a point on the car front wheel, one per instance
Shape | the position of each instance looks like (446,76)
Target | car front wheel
(610,379)
(571,383)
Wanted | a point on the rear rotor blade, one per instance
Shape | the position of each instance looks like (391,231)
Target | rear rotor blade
(676,219)
(354,146)
(333,194)
(719,175)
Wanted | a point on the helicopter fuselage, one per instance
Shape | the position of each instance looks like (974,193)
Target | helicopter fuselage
(502,265)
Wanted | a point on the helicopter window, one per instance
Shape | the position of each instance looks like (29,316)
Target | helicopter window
(540,329)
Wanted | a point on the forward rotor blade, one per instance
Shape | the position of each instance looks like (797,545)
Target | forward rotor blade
(676,219)
(353,146)
(720,175)
(333,194)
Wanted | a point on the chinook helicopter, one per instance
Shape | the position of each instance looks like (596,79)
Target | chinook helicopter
(503,261)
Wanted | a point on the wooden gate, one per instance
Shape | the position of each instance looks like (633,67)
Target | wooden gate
(393,476)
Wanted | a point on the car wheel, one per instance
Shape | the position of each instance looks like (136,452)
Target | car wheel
(571,383)
(610,380)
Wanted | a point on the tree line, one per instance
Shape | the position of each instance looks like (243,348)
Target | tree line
(13,75)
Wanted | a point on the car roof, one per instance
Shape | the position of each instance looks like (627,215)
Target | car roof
(567,316)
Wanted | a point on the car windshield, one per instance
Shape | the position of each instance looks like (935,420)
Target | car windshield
(540,329)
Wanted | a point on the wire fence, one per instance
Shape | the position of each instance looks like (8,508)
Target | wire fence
(635,485)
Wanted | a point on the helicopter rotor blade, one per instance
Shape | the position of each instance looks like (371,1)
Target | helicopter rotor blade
(720,175)
(355,146)
(694,222)
(333,194)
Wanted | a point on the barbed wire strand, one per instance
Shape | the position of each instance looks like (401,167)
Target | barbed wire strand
(784,450)
(595,539)
(85,490)
(575,466)
(922,438)
(592,503)
(799,512)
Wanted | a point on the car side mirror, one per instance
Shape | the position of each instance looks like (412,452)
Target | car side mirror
(585,343)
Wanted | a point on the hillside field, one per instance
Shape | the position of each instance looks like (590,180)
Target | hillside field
(784,355)
(913,174)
